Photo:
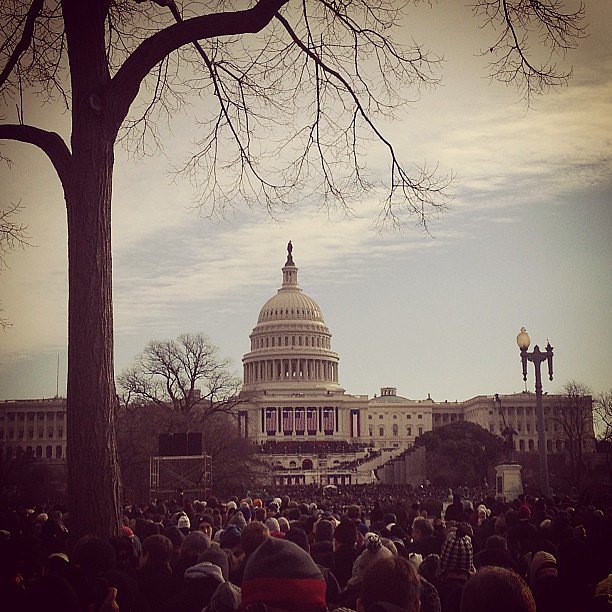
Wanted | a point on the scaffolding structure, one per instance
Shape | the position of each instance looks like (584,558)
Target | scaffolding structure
(184,475)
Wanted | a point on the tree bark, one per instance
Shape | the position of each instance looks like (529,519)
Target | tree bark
(93,470)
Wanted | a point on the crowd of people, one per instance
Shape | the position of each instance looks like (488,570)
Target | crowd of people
(364,549)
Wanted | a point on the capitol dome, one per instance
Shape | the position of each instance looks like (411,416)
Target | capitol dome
(290,343)
(290,302)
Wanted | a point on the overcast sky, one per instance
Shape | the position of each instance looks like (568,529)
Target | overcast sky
(527,241)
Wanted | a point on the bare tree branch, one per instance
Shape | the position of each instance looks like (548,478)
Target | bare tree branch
(125,84)
(50,143)
(518,22)
(24,42)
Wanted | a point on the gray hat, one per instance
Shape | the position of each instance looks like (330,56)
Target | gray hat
(226,598)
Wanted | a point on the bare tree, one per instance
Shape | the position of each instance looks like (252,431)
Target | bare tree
(575,417)
(181,385)
(185,375)
(13,234)
(603,413)
(117,65)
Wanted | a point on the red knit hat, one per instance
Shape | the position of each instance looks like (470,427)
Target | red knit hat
(280,574)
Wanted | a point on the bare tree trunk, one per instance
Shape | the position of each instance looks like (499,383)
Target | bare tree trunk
(93,473)
(93,470)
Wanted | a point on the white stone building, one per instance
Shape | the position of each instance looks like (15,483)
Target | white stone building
(312,430)
(305,424)
(35,427)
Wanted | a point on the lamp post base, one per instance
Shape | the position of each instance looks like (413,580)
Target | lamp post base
(508,482)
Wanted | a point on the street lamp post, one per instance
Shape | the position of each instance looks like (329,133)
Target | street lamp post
(537,357)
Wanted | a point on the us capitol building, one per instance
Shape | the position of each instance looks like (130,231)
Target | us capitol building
(304,424)
(311,430)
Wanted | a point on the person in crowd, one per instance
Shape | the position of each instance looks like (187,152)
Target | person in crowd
(424,541)
(155,574)
(298,536)
(251,537)
(322,548)
(456,567)
(455,511)
(498,589)
(284,578)
(391,584)
(345,551)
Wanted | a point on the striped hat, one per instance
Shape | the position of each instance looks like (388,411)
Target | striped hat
(457,554)
(280,574)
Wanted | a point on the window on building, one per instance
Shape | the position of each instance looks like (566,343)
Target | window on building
(395,416)
(60,432)
(371,430)
(549,446)
(420,431)
(58,452)
(559,445)
(380,416)
(30,434)
(39,452)
(30,416)
(409,431)
(531,445)
(49,432)
(41,416)
(369,417)
(48,452)
(420,416)
(381,431)
(395,429)
(522,445)
(21,416)
(20,434)
(491,428)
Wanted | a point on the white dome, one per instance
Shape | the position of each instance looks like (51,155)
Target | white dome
(290,304)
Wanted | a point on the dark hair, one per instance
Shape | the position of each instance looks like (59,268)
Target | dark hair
(158,548)
(423,525)
(252,536)
(496,588)
(391,580)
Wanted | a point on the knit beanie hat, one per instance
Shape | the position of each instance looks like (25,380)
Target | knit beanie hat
(457,553)
(230,538)
(183,522)
(543,565)
(238,520)
(280,574)
(204,571)
(175,535)
(226,598)
(374,551)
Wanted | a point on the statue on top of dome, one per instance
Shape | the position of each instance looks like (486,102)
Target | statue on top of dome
(289,254)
